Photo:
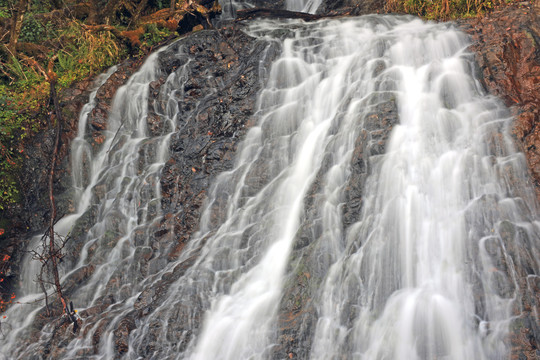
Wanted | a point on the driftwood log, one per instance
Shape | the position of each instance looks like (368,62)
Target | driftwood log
(249,14)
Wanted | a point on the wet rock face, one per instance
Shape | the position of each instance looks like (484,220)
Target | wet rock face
(214,113)
(216,110)
(506,44)
(351,7)
(269,4)
(97,118)
(216,103)
(34,210)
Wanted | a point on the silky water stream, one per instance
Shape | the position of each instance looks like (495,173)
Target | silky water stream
(421,271)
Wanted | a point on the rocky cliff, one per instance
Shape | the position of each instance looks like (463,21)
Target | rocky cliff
(506,44)
(507,48)
(215,115)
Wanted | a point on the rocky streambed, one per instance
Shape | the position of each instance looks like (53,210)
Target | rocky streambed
(227,72)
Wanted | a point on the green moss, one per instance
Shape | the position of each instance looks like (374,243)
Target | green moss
(32,31)
(154,35)
(517,324)
(24,91)
(9,192)
(445,9)
(531,37)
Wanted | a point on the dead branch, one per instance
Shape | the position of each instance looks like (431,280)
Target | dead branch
(32,50)
(120,35)
(138,11)
(42,286)
(162,14)
(99,28)
(16,24)
(249,14)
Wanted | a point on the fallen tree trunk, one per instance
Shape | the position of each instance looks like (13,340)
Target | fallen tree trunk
(249,14)
(16,25)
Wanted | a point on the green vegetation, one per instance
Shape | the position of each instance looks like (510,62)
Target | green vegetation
(72,40)
(24,89)
(85,53)
(153,35)
(10,124)
(63,42)
(445,9)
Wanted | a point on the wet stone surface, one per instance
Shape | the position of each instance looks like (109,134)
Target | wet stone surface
(215,110)
(505,44)
(216,104)
(214,114)
(506,49)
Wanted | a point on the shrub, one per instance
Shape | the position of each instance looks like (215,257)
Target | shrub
(24,91)
(444,9)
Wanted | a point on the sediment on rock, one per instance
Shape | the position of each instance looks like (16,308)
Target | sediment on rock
(214,115)
(506,46)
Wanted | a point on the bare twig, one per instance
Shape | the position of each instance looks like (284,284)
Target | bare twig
(42,286)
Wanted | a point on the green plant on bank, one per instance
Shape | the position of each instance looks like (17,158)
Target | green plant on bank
(12,131)
(154,35)
(160,4)
(85,53)
(24,90)
(32,31)
(20,101)
(77,53)
(444,9)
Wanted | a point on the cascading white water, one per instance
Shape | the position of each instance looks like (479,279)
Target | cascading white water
(119,189)
(21,316)
(308,6)
(403,285)
(229,7)
(401,279)
(424,215)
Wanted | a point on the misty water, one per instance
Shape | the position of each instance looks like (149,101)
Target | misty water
(421,272)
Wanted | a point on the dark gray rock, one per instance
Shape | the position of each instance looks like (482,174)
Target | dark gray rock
(352,7)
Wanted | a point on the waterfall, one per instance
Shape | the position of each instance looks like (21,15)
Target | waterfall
(118,190)
(308,6)
(403,283)
(20,317)
(378,169)
(229,7)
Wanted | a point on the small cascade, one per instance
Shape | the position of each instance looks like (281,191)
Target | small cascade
(423,273)
(81,150)
(307,6)
(229,7)
(118,190)
(376,168)
(21,316)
